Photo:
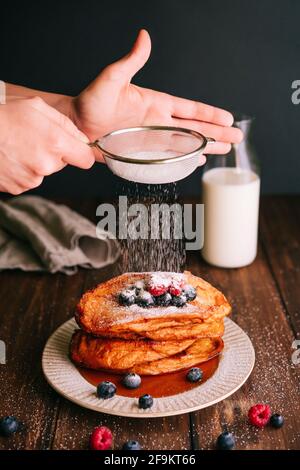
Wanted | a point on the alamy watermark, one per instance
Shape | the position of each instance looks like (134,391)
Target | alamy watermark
(295,97)
(2,352)
(296,354)
(153,221)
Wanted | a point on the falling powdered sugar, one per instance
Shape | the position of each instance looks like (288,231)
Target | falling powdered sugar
(152,254)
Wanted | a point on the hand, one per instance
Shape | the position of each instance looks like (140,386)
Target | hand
(36,140)
(111,102)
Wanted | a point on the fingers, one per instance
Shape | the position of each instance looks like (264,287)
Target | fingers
(45,166)
(76,153)
(231,135)
(217,148)
(125,68)
(65,150)
(18,178)
(188,109)
(38,142)
(139,53)
(68,143)
(202,160)
(224,136)
(33,181)
(60,119)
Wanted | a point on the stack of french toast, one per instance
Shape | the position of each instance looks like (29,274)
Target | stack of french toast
(149,323)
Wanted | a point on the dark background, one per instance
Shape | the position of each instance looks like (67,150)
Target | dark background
(238,54)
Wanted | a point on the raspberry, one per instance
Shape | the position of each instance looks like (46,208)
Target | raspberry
(175,290)
(101,438)
(157,290)
(259,415)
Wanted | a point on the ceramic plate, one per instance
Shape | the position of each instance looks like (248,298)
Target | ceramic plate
(235,366)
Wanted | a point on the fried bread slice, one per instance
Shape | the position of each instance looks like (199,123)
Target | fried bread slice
(190,330)
(99,312)
(119,354)
(200,351)
(142,356)
(174,331)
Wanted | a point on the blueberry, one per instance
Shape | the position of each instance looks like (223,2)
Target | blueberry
(189,292)
(131,445)
(145,299)
(277,420)
(163,300)
(127,297)
(131,380)
(225,441)
(179,300)
(9,425)
(194,375)
(106,390)
(145,401)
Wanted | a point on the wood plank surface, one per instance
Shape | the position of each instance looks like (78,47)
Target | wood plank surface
(266,304)
(280,233)
(258,309)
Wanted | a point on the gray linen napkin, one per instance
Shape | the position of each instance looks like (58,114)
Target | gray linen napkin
(39,235)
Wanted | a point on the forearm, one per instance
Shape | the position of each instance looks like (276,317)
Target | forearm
(60,102)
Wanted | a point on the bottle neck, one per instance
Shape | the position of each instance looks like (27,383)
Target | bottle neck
(245,125)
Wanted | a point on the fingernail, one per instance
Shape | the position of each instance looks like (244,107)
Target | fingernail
(83,137)
(230,119)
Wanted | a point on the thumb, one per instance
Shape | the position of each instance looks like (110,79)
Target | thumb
(125,68)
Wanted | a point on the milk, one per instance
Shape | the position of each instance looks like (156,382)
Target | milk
(231,204)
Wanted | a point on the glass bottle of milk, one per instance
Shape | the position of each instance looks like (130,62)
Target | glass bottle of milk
(230,189)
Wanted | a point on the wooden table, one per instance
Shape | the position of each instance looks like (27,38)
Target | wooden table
(266,304)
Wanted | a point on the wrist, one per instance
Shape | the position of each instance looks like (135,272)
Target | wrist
(64,105)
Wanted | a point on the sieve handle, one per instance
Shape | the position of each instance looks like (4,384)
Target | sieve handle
(210,140)
(93,144)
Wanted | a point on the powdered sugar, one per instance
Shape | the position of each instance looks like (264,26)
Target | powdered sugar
(153,173)
(151,254)
(136,312)
(166,279)
(139,285)
(156,312)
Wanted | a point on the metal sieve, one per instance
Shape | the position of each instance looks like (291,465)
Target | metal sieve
(152,154)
